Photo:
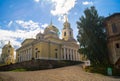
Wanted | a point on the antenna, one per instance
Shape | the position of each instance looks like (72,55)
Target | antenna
(66,18)
(9,42)
(51,21)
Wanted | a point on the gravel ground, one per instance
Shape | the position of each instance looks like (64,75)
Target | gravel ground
(71,73)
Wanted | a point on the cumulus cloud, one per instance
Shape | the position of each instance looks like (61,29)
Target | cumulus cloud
(87,3)
(37,1)
(62,7)
(44,25)
(26,29)
(28,24)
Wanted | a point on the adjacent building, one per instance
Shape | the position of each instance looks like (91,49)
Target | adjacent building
(48,45)
(7,56)
(113,35)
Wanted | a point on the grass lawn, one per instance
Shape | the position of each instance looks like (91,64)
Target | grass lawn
(18,70)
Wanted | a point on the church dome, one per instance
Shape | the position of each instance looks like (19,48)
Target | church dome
(51,29)
(39,36)
(51,32)
(7,45)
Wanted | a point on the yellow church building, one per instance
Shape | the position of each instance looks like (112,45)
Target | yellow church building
(48,45)
(7,56)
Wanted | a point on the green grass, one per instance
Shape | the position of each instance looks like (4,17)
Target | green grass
(18,70)
(2,64)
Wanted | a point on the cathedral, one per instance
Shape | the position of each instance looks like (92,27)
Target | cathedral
(48,45)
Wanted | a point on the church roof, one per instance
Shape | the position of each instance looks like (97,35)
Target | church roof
(111,16)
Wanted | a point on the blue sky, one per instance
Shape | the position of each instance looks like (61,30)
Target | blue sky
(21,19)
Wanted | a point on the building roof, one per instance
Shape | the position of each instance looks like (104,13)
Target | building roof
(111,16)
(32,39)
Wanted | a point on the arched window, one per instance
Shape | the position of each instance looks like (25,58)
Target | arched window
(114,28)
(117,45)
(64,33)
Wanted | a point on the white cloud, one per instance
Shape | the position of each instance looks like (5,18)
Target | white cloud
(44,25)
(62,7)
(10,23)
(62,18)
(37,1)
(87,3)
(28,29)
(28,24)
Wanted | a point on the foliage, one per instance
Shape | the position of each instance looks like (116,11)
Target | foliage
(92,37)
(18,70)
(102,70)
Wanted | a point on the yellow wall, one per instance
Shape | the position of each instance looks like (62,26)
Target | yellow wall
(8,54)
(47,49)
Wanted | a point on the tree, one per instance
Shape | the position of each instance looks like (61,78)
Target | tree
(92,36)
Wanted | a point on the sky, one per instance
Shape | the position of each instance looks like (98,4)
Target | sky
(21,19)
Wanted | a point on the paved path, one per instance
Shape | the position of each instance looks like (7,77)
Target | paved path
(71,73)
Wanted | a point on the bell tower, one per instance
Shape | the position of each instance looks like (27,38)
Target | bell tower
(67,32)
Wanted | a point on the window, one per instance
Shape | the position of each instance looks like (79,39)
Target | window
(70,33)
(114,28)
(36,55)
(8,51)
(66,56)
(56,49)
(117,45)
(64,33)
(55,55)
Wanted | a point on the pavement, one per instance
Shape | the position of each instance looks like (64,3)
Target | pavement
(70,73)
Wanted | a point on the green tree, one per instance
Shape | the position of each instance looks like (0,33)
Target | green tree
(92,36)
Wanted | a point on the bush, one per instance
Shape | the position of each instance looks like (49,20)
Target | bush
(102,70)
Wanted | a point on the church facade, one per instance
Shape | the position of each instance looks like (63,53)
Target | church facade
(48,45)
(7,56)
